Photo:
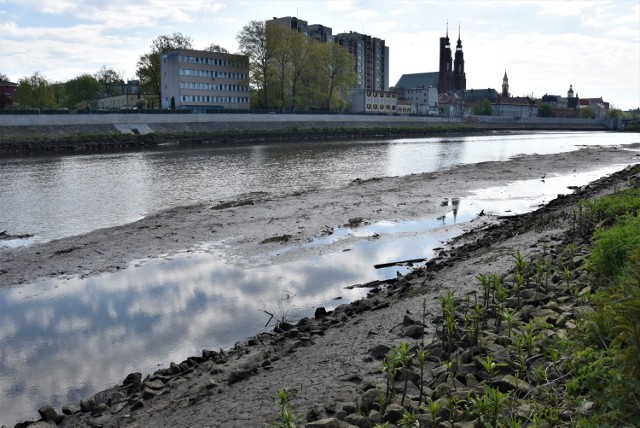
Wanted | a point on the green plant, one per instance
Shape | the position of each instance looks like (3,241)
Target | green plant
(287,418)
(432,408)
(447,305)
(490,367)
(422,359)
(409,419)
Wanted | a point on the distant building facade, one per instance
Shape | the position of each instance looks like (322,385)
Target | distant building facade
(371,60)
(424,100)
(370,101)
(7,93)
(203,80)
(318,32)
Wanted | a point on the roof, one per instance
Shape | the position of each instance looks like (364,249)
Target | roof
(417,80)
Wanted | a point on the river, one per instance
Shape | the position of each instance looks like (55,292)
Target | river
(63,339)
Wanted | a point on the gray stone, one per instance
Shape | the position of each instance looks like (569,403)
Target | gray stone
(70,409)
(48,413)
(88,405)
(370,397)
(509,383)
(149,394)
(329,423)
(357,420)
(414,331)
(379,351)
(393,413)
(155,384)
(132,379)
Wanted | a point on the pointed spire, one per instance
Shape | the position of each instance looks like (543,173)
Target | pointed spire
(458,32)
(447,28)
(505,74)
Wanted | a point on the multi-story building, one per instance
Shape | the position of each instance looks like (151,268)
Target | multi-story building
(321,33)
(424,100)
(371,60)
(368,101)
(204,81)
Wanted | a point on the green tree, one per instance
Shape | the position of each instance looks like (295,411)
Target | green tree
(587,113)
(482,108)
(252,40)
(545,110)
(78,92)
(36,92)
(110,80)
(148,70)
(616,113)
(213,47)
(339,72)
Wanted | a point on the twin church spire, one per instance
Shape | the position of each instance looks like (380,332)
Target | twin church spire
(451,73)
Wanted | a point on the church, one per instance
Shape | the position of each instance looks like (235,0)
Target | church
(450,76)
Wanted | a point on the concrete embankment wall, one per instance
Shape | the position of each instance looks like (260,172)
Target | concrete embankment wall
(58,125)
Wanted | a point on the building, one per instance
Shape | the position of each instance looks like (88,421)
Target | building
(318,32)
(204,81)
(564,107)
(371,58)
(452,76)
(515,107)
(369,101)
(7,93)
(600,108)
(424,100)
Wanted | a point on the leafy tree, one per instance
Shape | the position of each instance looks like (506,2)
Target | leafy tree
(339,71)
(587,113)
(252,40)
(216,48)
(616,113)
(111,81)
(148,70)
(545,110)
(482,108)
(35,91)
(78,92)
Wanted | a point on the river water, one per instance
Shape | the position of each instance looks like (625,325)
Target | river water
(62,340)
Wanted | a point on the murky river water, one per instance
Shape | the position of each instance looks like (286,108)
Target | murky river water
(64,339)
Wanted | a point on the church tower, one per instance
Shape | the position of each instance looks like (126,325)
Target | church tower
(459,77)
(570,92)
(505,85)
(445,76)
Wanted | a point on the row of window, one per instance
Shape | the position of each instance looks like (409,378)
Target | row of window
(214,99)
(382,107)
(210,61)
(382,94)
(214,86)
(212,74)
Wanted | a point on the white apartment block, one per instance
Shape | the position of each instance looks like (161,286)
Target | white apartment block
(204,81)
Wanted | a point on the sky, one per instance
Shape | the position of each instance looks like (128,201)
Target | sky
(544,46)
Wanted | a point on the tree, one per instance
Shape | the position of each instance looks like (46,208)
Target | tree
(482,108)
(216,48)
(111,81)
(587,113)
(252,40)
(35,91)
(78,92)
(339,71)
(545,110)
(616,113)
(148,70)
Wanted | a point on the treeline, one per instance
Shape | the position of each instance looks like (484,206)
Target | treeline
(288,71)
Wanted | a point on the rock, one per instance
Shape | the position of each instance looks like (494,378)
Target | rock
(370,398)
(149,394)
(509,383)
(88,405)
(48,413)
(414,331)
(381,306)
(70,409)
(378,352)
(393,413)
(136,405)
(155,384)
(132,379)
(329,423)
(357,420)
(238,375)
(320,313)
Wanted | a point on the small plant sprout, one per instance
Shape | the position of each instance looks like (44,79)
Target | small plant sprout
(432,408)
(409,420)
(287,417)
(509,316)
(452,368)
(404,358)
(490,367)
(422,359)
